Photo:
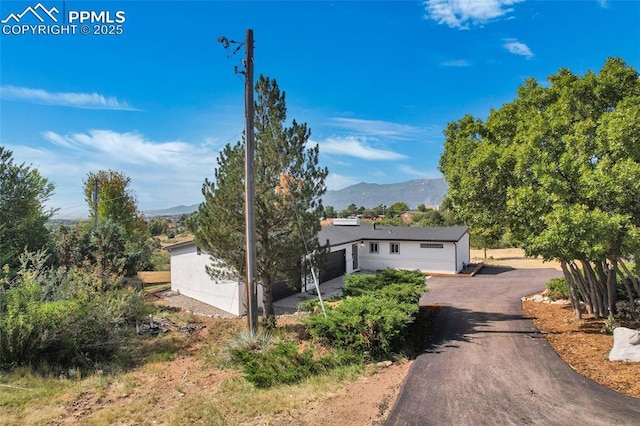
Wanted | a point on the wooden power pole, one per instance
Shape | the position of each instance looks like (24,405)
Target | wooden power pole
(249,185)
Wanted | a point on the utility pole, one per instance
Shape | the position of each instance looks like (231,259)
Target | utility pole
(249,176)
(249,185)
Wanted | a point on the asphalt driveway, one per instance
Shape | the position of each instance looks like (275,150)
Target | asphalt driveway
(488,365)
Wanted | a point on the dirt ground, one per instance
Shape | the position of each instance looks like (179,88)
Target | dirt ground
(368,400)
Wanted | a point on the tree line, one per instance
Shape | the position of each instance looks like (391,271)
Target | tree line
(392,215)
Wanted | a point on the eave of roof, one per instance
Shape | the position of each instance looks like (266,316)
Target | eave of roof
(338,235)
(182,244)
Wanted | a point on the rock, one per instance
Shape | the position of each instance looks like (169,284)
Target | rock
(626,345)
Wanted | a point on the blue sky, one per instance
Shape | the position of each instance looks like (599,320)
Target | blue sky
(376,81)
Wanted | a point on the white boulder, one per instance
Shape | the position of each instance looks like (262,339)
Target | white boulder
(626,345)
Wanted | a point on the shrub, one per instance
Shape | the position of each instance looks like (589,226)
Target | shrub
(558,288)
(375,316)
(59,317)
(285,364)
(357,284)
(370,325)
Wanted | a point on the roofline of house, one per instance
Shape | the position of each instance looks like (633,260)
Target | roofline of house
(384,236)
(182,244)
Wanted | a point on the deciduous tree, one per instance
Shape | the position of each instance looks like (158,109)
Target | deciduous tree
(116,200)
(23,193)
(558,167)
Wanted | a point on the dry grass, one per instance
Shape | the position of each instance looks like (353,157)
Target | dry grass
(196,386)
(513,257)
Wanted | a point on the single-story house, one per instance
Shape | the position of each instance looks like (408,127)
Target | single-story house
(353,247)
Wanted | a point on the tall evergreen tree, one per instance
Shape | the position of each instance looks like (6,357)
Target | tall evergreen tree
(288,207)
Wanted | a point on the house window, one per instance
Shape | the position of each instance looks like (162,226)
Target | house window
(373,247)
(394,248)
(431,245)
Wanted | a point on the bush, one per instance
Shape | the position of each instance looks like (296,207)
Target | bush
(368,325)
(357,284)
(285,364)
(375,317)
(57,317)
(558,288)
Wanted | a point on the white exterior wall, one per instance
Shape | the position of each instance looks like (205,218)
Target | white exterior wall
(189,277)
(464,255)
(349,255)
(411,256)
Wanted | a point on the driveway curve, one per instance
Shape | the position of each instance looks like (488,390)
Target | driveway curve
(487,364)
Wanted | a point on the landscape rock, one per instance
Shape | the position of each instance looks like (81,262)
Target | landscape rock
(626,345)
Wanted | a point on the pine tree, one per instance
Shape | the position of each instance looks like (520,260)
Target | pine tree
(289,184)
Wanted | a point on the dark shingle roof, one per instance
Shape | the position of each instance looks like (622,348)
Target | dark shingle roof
(347,234)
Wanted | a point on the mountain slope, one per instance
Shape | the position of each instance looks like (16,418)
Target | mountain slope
(414,192)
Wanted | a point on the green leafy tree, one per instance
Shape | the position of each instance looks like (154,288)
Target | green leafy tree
(289,184)
(157,227)
(104,249)
(23,215)
(397,209)
(116,201)
(330,212)
(351,210)
(558,168)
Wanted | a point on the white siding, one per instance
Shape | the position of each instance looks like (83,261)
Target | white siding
(189,277)
(411,256)
(349,255)
(464,254)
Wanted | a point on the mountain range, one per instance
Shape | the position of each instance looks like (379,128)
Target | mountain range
(414,192)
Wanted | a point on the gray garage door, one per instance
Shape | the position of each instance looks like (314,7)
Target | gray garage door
(336,266)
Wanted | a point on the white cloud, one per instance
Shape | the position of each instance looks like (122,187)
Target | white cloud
(126,148)
(163,174)
(408,170)
(354,146)
(459,63)
(376,128)
(336,181)
(518,48)
(67,99)
(462,13)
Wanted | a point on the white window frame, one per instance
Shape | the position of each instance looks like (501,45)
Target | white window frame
(394,248)
(374,247)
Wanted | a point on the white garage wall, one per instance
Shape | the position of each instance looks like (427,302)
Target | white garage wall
(464,254)
(189,277)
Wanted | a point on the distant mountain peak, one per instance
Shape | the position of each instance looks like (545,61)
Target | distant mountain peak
(414,192)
